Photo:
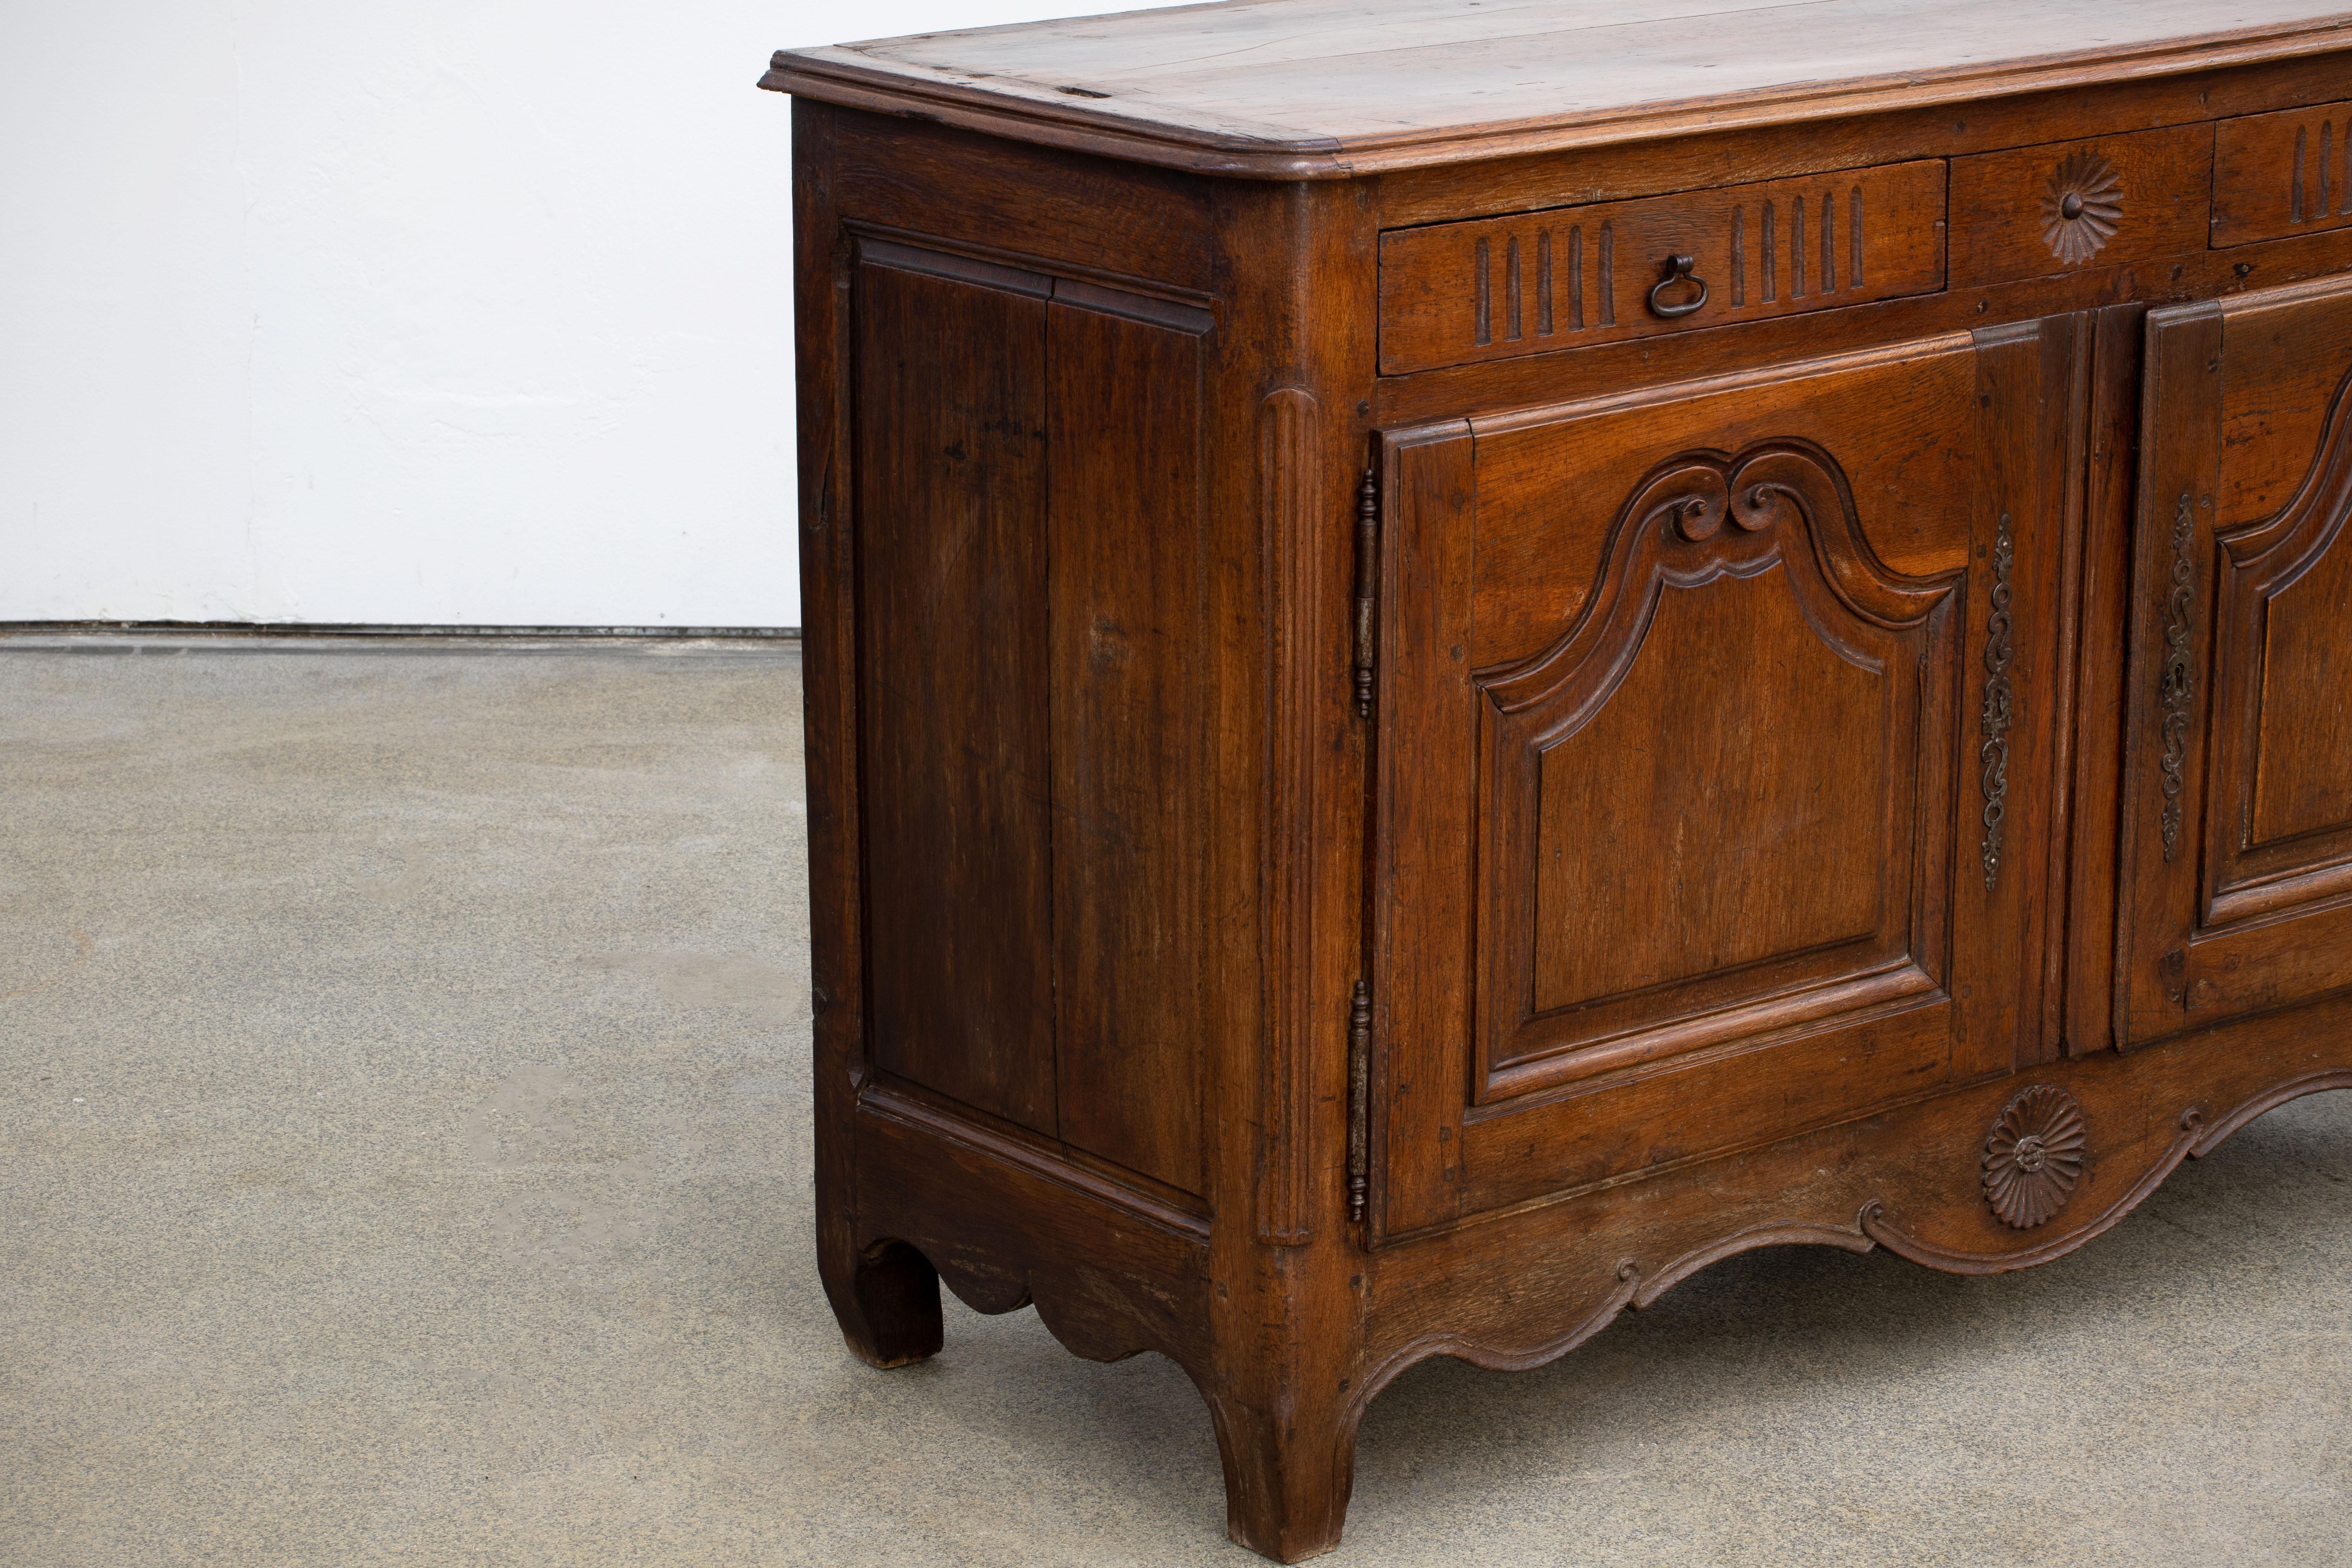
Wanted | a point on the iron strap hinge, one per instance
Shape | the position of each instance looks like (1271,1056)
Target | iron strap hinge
(1360,1085)
(1359,1005)
(1368,550)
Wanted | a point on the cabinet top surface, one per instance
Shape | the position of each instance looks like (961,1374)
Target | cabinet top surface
(1294,88)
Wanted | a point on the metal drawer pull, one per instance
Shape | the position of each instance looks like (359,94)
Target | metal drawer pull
(1678,270)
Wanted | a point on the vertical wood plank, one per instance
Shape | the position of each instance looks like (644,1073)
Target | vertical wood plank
(2067,345)
(1422,892)
(1290,1288)
(2171,610)
(951,466)
(2112,450)
(1128,738)
(888,1307)
(828,644)
(1998,884)
(1290,509)
(2067,400)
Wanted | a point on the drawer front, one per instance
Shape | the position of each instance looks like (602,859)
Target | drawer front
(2281,175)
(2069,206)
(1496,287)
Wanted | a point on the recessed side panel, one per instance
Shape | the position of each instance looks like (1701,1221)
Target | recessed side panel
(951,405)
(1129,730)
(1032,717)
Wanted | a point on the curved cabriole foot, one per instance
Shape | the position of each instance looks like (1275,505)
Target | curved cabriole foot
(1287,1474)
(887,1300)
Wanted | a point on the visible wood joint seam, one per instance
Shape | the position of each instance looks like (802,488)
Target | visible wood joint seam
(1368,544)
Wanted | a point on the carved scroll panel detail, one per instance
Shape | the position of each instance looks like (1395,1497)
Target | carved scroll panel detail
(1710,799)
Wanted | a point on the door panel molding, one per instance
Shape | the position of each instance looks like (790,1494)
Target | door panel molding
(1728,579)
(1706,558)
(2237,885)
(2261,565)
(2170,658)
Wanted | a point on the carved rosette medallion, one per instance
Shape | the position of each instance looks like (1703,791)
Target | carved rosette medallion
(2081,207)
(2034,1156)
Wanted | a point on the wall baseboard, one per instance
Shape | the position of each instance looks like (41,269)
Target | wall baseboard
(367,629)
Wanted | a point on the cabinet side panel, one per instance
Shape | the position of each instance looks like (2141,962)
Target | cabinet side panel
(1130,751)
(1092,214)
(951,456)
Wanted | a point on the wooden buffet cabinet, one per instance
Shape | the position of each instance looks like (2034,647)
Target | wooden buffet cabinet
(1461,659)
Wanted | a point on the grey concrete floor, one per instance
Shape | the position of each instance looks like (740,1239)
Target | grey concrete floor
(405,1159)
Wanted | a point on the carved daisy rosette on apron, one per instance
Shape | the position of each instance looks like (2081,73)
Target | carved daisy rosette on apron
(2081,207)
(2034,1156)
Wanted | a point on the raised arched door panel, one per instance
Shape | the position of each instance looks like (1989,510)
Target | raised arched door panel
(1714,765)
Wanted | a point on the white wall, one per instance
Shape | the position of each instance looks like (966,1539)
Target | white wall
(442,312)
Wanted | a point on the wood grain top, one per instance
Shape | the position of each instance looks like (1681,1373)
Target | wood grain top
(1323,89)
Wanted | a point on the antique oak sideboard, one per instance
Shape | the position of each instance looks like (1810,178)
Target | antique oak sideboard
(1462,657)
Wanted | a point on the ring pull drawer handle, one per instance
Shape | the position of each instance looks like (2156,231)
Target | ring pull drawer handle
(1678,273)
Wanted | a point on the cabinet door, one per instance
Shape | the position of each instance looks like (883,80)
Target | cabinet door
(2237,831)
(1714,764)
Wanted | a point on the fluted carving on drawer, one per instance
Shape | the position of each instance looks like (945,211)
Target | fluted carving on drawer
(2276,175)
(1492,288)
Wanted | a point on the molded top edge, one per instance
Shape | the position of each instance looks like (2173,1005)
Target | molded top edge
(1330,89)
